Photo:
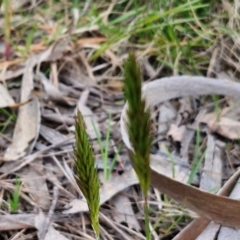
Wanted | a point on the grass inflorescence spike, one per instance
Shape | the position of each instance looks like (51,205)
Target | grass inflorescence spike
(138,127)
(138,124)
(86,173)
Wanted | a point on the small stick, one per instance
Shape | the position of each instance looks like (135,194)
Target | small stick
(50,213)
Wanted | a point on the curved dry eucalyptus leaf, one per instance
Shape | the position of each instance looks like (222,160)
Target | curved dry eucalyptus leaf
(200,225)
(27,127)
(216,231)
(220,209)
(25,132)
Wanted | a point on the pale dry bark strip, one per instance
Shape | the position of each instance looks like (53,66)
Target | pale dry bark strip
(212,171)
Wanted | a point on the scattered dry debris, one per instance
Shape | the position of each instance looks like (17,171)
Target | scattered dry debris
(69,58)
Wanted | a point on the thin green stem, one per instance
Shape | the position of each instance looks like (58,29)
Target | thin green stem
(105,158)
(196,161)
(104,150)
(146,216)
(7,18)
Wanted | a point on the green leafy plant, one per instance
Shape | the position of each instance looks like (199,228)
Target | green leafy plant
(217,108)
(14,199)
(7,26)
(105,149)
(196,161)
(172,161)
(9,117)
(86,173)
(138,127)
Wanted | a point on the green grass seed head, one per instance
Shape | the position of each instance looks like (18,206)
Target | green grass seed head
(86,173)
(138,124)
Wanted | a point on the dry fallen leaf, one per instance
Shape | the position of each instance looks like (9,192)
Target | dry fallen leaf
(54,52)
(25,132)
(33,179)
(40,220)
(189,136)
(167,113)
(170,167)
(27,220)
(213,165)
(76,206)
(28,122)
(176,133)
(52,136)
(52,93)
(216,231)
(95,40)
(224,126)
(88,116)
(24,138)
(16,221)
(5,98)
(124,212)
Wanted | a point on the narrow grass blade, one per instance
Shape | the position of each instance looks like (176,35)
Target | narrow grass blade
(104,151)
(196,161)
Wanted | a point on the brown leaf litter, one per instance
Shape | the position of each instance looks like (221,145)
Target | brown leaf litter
(221,210)
(40,92)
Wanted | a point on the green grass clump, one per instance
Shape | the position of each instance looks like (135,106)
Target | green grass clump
(197,158)
(87,177)
(14,199)
(107,170)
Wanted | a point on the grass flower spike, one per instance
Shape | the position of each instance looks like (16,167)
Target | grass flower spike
(87,178)
(138,127)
